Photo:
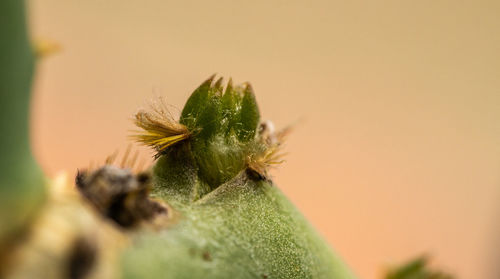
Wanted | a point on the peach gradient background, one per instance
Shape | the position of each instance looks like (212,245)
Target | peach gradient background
(398,152)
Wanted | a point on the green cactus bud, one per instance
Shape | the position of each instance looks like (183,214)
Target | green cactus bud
(224,125)
(229,223)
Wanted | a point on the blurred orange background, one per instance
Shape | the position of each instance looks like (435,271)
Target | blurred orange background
(398,149)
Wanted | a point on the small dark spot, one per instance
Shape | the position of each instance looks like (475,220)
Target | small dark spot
(253,175)
(206,256)
(143,178)
(119,213)
(264,276)
(82,257)
(79,179)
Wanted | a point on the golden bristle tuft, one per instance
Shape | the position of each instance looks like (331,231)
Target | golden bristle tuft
(270,157)
(160,130)
(272,154)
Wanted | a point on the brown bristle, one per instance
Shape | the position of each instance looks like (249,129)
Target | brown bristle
(272,153)
(160,130)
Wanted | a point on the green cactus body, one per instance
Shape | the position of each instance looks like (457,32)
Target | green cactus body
(214,212)
(228,222)
(21,181)
(226,218)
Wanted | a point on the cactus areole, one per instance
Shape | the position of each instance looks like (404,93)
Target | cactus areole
(228,219)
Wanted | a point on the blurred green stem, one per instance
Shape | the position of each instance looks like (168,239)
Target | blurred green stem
(21,181)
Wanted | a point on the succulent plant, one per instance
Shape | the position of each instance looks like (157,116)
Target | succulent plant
(206,209)
(232,221)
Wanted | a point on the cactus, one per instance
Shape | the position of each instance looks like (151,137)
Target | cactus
(206,209)
(233,222)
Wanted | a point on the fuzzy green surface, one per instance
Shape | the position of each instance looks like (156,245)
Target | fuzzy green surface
(244,228)
(227,222)
(21,181)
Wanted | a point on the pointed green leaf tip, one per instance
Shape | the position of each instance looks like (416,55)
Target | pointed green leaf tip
(211,111)
(224,125)
(249,114)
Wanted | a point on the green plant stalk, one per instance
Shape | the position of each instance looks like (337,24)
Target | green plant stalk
(21,181)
